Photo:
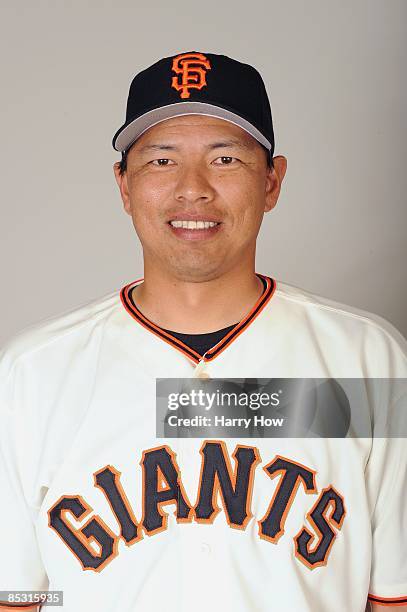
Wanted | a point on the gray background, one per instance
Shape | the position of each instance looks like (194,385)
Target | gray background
(335,73)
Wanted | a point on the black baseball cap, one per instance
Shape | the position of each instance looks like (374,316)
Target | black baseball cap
(197,83)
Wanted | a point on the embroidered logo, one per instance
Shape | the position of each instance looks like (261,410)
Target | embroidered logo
(220,484)
(190,69)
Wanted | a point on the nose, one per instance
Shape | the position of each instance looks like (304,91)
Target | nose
(193,185)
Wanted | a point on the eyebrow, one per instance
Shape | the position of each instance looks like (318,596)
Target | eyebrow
(214,145)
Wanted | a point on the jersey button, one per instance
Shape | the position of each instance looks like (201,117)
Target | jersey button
(205,548)
(199,371)
(203,375)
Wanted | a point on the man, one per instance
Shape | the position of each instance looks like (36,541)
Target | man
(119,518)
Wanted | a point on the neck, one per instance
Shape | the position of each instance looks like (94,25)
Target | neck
(197,307)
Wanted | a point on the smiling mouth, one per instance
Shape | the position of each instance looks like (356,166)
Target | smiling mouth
(193,225)
(194,229)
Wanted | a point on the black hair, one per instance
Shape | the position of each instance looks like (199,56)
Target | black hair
(123,161)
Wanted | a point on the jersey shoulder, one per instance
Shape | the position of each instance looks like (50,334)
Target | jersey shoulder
(59,330)
(327,314)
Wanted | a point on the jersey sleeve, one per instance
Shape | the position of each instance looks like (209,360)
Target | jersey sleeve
(21,566)
(386,481)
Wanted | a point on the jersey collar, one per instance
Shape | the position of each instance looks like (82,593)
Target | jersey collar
(131,308)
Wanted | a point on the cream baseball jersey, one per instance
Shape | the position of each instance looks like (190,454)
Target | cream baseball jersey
(95,505)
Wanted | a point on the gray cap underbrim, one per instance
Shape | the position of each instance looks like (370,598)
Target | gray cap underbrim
(137,127)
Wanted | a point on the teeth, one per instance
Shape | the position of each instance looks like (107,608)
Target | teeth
(193,224)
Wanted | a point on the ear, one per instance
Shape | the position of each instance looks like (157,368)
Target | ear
(274,179)
(121,180)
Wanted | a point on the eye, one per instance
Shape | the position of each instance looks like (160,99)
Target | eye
(163,161)
(226,160)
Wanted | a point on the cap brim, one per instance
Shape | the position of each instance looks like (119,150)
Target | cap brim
(129,133)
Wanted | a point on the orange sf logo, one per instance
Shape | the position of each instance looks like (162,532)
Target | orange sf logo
(192,68)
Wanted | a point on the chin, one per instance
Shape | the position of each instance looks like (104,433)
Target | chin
(198,273)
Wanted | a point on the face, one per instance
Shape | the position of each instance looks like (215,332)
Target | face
(206,174)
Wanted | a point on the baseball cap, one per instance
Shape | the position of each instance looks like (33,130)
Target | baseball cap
(197,83)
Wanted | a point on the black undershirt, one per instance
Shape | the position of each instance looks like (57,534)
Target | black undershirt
(203,342)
